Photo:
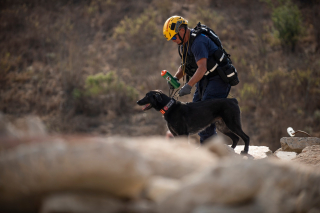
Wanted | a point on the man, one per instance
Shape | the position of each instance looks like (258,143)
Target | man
(200,57)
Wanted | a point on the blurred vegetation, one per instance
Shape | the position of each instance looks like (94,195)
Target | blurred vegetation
(81,65)
(287,21)
(103,93)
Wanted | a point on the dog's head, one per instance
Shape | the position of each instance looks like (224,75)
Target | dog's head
(154,99)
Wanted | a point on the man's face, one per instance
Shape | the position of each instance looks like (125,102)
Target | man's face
(178,41)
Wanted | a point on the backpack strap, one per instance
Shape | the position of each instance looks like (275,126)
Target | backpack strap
(203,29)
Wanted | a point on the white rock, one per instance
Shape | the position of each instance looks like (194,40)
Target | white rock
(283,155)
(255,152)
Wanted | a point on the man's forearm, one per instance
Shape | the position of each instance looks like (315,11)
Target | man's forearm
(197,76)
(179,73)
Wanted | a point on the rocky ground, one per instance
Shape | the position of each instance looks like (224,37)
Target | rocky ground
(81,173)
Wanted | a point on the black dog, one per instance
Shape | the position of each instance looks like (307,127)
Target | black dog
(191,118)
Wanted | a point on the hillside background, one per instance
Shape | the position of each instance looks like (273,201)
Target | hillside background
(81,65)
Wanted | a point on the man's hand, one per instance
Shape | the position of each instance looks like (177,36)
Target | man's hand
(170,85)
(185,90)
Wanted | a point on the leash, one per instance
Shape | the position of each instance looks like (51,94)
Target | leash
(172,94)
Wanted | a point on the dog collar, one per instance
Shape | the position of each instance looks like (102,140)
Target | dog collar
(165,109)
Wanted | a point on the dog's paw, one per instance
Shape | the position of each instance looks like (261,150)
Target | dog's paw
(244,152)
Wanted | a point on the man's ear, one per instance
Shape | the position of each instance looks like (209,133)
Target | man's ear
(158,97)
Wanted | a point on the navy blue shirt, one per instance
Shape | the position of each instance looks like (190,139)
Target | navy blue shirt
(202,47)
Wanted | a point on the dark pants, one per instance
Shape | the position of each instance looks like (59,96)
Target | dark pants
(216,88)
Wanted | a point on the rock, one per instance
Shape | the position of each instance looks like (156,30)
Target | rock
(159,187)
(87,202)
(217,146)
(172,159)
(265,186)
(32,170)
(73,202)
(117,166)
(297,144)
(255,152)
(309,156)
(227,209)
(284,155)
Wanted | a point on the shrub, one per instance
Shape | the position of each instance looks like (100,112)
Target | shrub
(103,93)
(287,20)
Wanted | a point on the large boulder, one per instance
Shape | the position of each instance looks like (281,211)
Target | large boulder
(297,144)
(120,167)
(95,203)
(174,158)
(31,171)
(247,186)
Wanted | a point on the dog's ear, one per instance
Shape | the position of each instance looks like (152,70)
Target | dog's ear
(158,97)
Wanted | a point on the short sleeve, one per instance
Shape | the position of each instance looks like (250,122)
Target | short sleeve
(203,47)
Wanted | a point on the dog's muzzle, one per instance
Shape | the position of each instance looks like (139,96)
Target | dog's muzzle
(147,107)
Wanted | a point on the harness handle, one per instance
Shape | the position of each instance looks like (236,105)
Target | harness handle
(172,93)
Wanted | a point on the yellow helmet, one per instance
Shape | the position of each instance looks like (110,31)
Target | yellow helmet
(171,26)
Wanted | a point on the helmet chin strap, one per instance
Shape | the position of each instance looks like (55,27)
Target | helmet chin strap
(182,39)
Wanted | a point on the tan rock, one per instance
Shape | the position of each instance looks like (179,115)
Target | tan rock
(117,166)
(218,146)
(97,203)
(78,163)
(159,187)
(297,144)
(309,156)
(264,185)
(80,202)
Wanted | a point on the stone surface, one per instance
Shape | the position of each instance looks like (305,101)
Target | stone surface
(255,152)
(173,159)
(309,156)
(95,174)
(297,144)
(263,185)
(86,202)
(217,146)
(117,166)
(159,187)
(284,155)
(77,163)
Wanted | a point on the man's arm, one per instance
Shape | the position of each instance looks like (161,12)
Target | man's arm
(179,73)
(202,68)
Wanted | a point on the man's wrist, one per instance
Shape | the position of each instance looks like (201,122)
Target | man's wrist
(190,84)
